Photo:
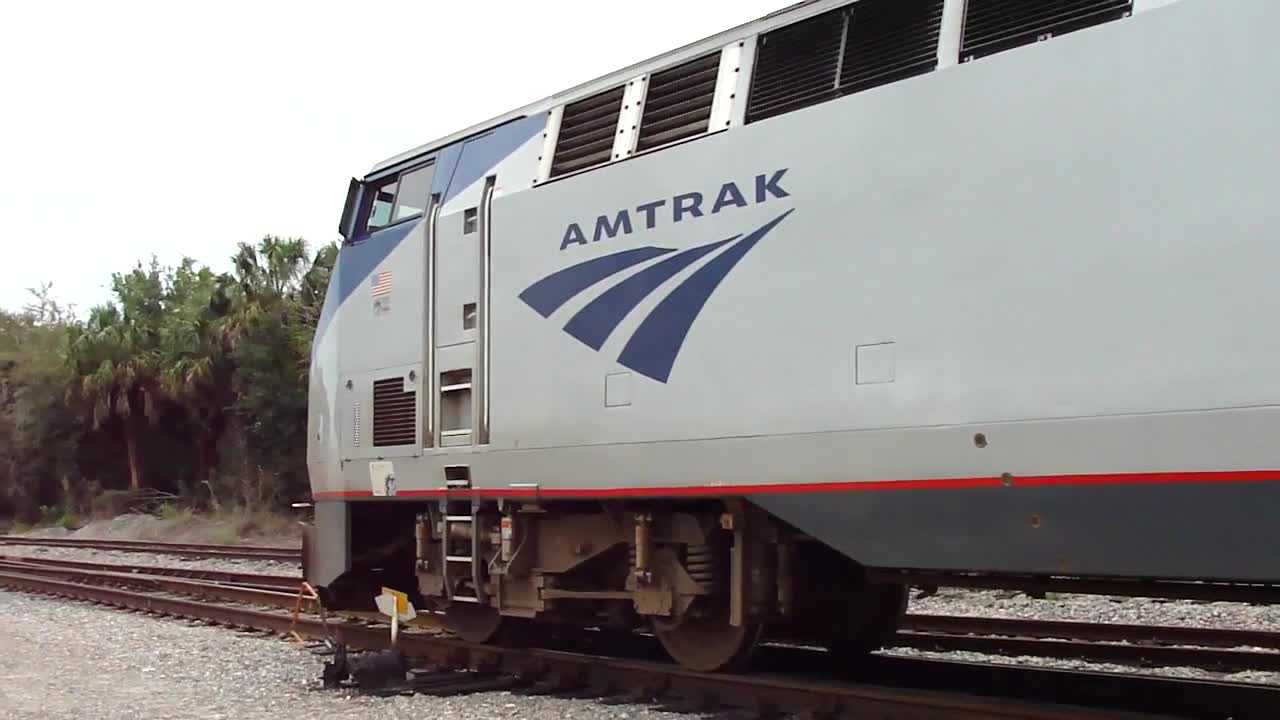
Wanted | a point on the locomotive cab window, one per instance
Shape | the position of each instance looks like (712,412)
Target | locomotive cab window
(415,187)
(396,198)
(381,198)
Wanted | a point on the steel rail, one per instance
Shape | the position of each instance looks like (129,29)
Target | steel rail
(199,550)
(276,582)
(916,622)
(289,597)
(193,588)
(1188,590)
(1142,645)
(761,694)
(1126,587)
(1220,591)
(1002,636)
(1098,632)
(1134,655)
(1138,645)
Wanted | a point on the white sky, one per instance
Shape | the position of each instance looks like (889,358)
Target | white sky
(129,128)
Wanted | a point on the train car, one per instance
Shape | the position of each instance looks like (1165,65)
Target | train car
(711,345)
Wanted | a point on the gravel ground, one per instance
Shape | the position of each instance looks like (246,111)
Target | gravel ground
(61,659)
(266,567)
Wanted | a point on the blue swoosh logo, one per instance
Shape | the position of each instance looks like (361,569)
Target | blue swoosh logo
(654,346)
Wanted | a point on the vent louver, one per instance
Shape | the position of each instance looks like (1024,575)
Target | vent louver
(355,424)
(889,40)
(796,66)
(678,102)
(843,51)
(393,413)
(992,26)
(586,132)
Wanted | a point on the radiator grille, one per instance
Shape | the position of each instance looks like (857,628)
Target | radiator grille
(889,40)
(796,66)
(991,26)
(586,132)
(393,413)
(843,51)
(678,102)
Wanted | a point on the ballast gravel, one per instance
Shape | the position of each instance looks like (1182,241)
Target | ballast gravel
(67,660)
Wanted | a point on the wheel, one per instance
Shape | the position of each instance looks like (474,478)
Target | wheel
(473,623)
(709,644)
(863,618)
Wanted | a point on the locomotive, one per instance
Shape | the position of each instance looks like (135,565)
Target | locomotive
(714,345)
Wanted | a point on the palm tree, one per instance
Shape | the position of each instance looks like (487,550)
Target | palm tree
(115,360)
(259,331)
(115,374)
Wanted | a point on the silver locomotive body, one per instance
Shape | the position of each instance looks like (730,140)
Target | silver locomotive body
(1010,315)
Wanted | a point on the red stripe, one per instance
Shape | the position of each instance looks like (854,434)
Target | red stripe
(860,485)
(342,494)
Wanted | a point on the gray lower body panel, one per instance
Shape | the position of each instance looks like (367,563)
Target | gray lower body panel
(1224,530)
(329,551)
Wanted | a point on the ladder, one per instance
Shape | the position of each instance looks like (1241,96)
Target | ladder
(461,512)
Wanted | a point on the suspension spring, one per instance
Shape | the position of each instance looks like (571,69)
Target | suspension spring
(700,563)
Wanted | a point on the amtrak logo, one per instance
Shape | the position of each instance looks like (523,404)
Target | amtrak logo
(652,348)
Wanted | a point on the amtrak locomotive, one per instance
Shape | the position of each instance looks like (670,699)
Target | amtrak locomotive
(722,344)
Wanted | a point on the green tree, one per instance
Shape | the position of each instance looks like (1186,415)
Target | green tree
(280,292)
(116,359)
(222,358)
(38,432)
(195,359)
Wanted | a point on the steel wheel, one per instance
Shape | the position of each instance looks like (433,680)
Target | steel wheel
(473,623)
(709,645)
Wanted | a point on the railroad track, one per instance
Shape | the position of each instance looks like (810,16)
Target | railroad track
(885,688)
(1138,645)
(205,589)
(271,582)
(790,680)
(197,550)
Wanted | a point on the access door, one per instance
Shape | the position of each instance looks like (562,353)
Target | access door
(383,277)
(461,337)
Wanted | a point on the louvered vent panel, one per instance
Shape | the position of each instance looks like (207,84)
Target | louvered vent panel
(355,424)
(889,40)
(678,102)
(796,66)
(586,132)
(393,413)
(991,26)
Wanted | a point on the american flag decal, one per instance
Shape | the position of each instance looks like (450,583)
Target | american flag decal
(381,283)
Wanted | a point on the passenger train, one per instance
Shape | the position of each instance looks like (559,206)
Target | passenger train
(707,345)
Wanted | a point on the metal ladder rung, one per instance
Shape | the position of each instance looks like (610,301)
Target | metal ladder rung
(457,558)
(457,483)
(465,598)
(457,518)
